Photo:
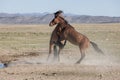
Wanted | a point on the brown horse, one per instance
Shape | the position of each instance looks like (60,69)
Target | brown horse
(54,40)
(74,37)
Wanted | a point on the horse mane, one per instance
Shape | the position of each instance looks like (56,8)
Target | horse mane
(58,13)
(67,25)
(66,22)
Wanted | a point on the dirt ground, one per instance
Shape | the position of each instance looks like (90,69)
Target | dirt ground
(25,50)
(60,72)
(35,67)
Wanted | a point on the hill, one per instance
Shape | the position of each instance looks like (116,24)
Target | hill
(45,18)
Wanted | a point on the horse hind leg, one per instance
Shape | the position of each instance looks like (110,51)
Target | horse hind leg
(61,45)
(50,50)
(55,52)
(60,49)
(82,51)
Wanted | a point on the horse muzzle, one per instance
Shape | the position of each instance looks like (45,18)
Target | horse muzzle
(50,24)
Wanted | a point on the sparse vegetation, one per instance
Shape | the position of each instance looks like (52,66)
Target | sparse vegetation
(35,37)
(26,46)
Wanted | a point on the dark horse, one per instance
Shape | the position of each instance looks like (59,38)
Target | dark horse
(67,32)
(55,39)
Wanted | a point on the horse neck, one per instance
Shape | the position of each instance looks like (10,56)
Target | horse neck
(63,24)
(66,25)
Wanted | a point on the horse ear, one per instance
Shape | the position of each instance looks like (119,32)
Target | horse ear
(58,13)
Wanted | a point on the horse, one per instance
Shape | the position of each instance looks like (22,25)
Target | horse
(68,33)
(54,40)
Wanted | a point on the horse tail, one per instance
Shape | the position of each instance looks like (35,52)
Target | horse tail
(96,48)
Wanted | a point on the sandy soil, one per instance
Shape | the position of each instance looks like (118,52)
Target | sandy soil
(33,66)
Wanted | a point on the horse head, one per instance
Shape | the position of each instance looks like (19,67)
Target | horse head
(57,18)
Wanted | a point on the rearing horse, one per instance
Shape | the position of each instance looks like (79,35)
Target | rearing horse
(54,40)
(74,37)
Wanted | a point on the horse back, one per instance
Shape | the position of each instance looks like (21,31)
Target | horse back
(75,37)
